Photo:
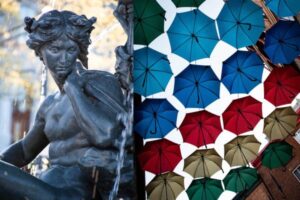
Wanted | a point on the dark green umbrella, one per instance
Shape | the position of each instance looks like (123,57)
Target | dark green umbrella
(187,3)
(206,189)
(148,21)
(240,179)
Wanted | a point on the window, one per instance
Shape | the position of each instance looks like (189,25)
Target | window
(296,172)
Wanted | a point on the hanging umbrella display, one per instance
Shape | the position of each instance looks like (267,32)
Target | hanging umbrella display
(205,189)
(165,186)
(242,115)
(187,3)
(284,8)
(197,86)
(240,23)
(151,72)
(149,20)
(280,123)
(159,156)
(282,85)
(155,118)
(241,150)
(282,43)
(200,128)
(203,163)
(277,154)
(192,35)
(240,179)
(242,72)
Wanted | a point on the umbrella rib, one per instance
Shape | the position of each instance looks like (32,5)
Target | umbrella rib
(154,15)
(157,81)
(159,59)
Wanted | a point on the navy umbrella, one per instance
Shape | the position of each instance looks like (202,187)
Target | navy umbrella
(242,72)
(155,118)
(282,43)
(197,86)
(192,35)
(151,72)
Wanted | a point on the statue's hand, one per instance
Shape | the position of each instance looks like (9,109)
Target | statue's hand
(75,78)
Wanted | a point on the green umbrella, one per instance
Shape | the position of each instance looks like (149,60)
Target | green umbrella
(148,21)
(165,186)
(187,3)
(203,163)
(206,189)
(277,154)
(240,179)
(241,150)
(280,123)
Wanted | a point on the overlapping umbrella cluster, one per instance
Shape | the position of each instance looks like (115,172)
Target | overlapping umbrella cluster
(192,35)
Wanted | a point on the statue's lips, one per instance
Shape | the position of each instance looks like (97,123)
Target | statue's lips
(62,69)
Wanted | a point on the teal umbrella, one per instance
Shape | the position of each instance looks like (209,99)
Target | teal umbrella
(205,189)
(284,8)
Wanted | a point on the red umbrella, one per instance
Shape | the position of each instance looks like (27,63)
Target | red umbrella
(242,115)
(282,85)
(200,128)
(159,156)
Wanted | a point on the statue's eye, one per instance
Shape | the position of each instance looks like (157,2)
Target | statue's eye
(53,49)
(72,49)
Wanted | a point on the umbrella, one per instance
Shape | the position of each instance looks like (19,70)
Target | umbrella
(187,3)
(241,150)
(284,8)
(242,72)
(203,163)
(159,156)
(240,23)
(280,123)
(205,189)
(282,43)
(165,186)
(282,85)
(277,154)
(192,35)
(155,118)
(197,86)
(149,20)
(242,115)
(151,72)
(200,128)
(240,179)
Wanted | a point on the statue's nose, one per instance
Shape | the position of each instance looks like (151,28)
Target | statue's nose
(63,58)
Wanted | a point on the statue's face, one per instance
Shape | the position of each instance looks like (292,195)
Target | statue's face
(60,56)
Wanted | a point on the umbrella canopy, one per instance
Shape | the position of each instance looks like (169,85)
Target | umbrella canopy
(282,85)
(148,21)
(277,154)
(240,179)
(240,23)
(242,115)
(151,72)
(200,128)
(187,3)
(159,156)
(155,118)
(280,123)
(242,72)
(205,189)
(241,150)
(165,186)
(282,43)
(197,86)
(203,163)
(284,8)
(192,35)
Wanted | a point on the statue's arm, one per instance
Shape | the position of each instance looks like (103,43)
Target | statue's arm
(25,150)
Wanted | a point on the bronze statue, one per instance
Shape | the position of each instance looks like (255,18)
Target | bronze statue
(80,122)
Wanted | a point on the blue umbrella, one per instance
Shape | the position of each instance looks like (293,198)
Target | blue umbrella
(197,86)
(284,8)
(151,72)
(282,43)
(155,118)
(240,23)
(192,35)
(242,72)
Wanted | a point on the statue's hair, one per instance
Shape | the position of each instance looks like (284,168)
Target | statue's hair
(53,24)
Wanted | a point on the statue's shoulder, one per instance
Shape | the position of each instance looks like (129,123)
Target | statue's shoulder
(45,105)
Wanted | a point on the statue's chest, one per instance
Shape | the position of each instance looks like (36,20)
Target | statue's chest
(60,120)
